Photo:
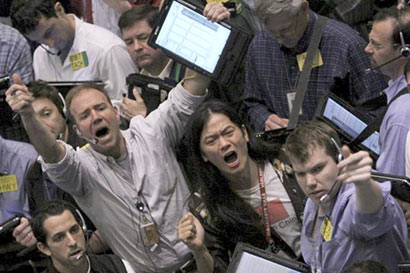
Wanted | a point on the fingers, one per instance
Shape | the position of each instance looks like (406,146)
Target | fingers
(131,108)
(216,12)
(275,122)
(137,95)
(16,79)
(356,168)
(23,233)
(187,228)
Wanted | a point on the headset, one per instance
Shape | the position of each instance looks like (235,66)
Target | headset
(404,49)
(64,105)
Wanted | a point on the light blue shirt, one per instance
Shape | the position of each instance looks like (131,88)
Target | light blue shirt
(356,236)
(15,159)
(394,130)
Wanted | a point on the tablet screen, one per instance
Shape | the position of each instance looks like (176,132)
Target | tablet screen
(191,36)
(252,263)
(350,124)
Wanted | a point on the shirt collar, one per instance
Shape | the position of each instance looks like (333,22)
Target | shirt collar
(395,86)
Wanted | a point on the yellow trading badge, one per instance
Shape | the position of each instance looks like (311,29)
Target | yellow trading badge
(8,183)
(326,229)
(78,60)
(317,61)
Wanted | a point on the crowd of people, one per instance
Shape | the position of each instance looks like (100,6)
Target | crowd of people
(104,184)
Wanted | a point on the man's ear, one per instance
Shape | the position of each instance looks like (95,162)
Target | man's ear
(59,9)
(43,248)
(245,132)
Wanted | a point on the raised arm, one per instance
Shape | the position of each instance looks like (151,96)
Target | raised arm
(191,232)
(195,83)
(356,168)
(20,101)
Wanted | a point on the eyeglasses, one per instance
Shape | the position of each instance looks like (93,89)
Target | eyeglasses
(377,46)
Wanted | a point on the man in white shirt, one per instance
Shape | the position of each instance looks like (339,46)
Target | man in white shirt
(72,50)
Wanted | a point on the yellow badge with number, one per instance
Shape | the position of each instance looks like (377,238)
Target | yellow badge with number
(78,60)
(8,183)
(326,229)
(317,61)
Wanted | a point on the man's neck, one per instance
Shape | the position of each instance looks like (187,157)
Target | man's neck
(158,67)
(64,52)
(246,179)
(81,268)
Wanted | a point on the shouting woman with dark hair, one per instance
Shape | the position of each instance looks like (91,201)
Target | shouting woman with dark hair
(243,188)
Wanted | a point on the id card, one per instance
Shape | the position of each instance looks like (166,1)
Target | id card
(78,60)
(291,100)
(8,183)
(326,229)
(150,235)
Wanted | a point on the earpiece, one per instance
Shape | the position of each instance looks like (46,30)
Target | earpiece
(64,105)
(78,132)
(404,49)
(339,155)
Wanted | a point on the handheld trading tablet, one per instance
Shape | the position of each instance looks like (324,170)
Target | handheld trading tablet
(247,258)
(185,35)
(347,122)
(64,86)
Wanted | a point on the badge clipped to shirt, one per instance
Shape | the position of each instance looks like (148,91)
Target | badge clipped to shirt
(78,60)
(150,234)
(317,61)
(326,229)
(8,183)
(291,100)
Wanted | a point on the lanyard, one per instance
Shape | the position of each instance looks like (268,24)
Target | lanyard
(264,202)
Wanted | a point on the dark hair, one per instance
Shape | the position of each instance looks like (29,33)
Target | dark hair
(41,89)
(311,134)
(75,90)
(142,12)
(366,267)
(25,14)
(52,208)
(233,218)
(395,14)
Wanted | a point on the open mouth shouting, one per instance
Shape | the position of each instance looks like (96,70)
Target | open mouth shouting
(231,158)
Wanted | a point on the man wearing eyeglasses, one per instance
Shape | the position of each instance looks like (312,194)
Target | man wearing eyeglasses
(276,57)
(385,45)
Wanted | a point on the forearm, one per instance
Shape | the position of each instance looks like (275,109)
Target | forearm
(42,139)
(204,260)
(195,83)
(369,198)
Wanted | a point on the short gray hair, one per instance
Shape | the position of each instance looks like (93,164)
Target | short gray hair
(265,8)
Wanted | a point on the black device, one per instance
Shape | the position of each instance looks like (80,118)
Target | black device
(64,86)
(6,113)
(151,89)
(185,35)
(400,185)
(9,224)
(247,258)
(404,267)
(347,122)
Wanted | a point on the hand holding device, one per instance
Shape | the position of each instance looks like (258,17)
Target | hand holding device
(9,224)
(24,234)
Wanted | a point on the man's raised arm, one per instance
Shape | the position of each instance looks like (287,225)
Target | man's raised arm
(20,101)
